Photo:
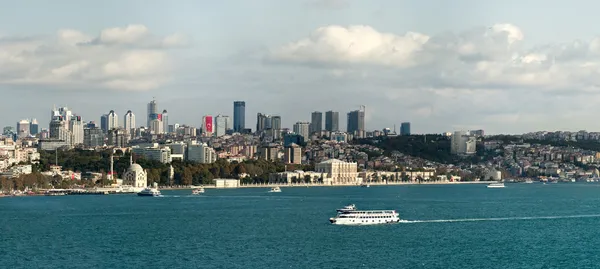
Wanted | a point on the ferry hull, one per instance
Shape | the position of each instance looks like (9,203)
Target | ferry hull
(359,222)
(148,194)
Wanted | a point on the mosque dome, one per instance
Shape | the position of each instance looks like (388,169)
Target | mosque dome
(135,168)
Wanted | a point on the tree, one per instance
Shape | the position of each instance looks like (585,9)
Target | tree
(384,178)
(186,179)
(307,179)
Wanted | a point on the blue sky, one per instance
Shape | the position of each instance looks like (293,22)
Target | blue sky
(502,66)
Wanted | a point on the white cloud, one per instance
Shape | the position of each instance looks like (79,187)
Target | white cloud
(128,58)
(481,77)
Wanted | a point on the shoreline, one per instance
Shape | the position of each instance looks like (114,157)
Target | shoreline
(300,185)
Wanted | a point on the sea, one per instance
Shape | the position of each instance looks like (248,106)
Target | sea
(443,226)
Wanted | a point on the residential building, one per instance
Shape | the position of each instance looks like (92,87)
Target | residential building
(302,128)
(93,137)
(23,128)
(129,122)
(269,152)
(221,125)
(118,138)
(153,152)
(201,153)
(356,123)
(463,143)
(293,154)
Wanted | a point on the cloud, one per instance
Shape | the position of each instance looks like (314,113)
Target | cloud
(480,77)
(126,58)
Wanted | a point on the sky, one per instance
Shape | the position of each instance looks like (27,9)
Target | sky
(502,66)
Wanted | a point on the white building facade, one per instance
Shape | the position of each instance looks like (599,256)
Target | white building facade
(338,172)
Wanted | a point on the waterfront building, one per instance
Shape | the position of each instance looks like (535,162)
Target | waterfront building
(239,116)
(135,176)
(338,172)
(332,120)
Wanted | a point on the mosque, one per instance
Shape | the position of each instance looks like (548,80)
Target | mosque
(135,176)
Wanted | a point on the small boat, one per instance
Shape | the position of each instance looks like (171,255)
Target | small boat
(496,185)
(347,208)
(275,189)
(150,191)
(198,191)
(528,181)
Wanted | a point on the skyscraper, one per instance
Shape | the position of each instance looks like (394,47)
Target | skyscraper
(165,121)
(152,109)
(263,122)
(332,121)
(239,116)
(23,128)
(302,128)
(129,122)
(34,127)
(405,128)
(207,125)
(76,130)
(104,123)
(221,125)
(316,123)
(113,120)
(276,126)
(356,122)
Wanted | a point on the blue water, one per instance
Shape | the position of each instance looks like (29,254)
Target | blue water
(447,226)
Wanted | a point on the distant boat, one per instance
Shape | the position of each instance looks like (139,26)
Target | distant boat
(198,191)
(496,185)
(348,208)
(275,189)
(528,181)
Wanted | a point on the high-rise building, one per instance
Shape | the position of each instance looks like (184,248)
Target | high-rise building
(239,116)
(129,122)
(58,130)
(113,120)
(221,125)
(118,137)
(93,136)
(405,128)
(34,127)
(316,123)
(356,123)
(302,128)
(165,121)
(463,143)
(332,121)
(104,123)
(276,126)
(76,130)
(152,110)
(207,125)
(263,122)
(23,128)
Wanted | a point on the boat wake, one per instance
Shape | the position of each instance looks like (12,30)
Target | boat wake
(502,219)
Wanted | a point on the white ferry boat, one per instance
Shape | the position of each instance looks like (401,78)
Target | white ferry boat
(150,191)
(366,217)
(198,191)
(496,185)
(347,208)
(275,189)
(528,181)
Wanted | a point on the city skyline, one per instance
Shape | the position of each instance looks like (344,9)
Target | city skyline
(320,55)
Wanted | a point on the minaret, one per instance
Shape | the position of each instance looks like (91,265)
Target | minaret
(130,159)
